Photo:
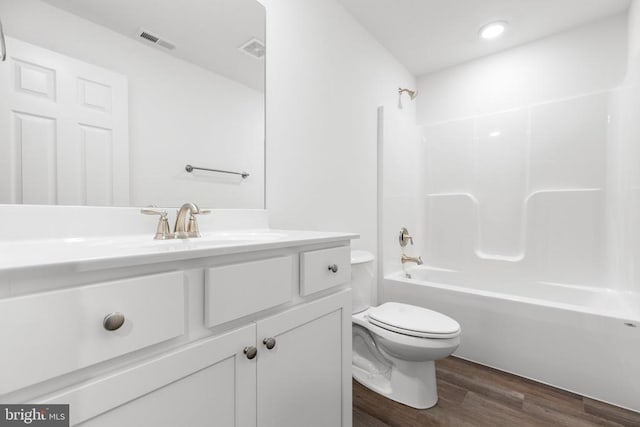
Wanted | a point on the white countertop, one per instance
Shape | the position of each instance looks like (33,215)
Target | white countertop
(85,254)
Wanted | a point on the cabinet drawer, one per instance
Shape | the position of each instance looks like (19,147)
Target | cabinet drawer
(316,274)
(49,334)
(237,290)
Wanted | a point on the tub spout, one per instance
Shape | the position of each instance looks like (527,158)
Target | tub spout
(405,259)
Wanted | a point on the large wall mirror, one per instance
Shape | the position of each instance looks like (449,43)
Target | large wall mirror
(105,103)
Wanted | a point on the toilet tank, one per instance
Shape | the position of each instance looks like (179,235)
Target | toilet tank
(363,281)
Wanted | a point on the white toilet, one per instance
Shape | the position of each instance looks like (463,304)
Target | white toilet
(395,345)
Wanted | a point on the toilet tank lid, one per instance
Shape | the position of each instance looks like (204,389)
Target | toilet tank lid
(360,257)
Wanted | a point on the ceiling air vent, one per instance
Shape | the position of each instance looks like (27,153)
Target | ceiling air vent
(155,39)
(254,47)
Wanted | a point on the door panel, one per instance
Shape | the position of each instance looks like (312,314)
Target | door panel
(206,383)
(202,399)
(63,130)
(35,142)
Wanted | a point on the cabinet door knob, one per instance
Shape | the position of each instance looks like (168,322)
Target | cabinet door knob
(113,321)
(251,352)
(269,343)
(333,268)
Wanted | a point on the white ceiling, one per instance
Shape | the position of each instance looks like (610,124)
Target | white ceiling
(206,32)
(427,35)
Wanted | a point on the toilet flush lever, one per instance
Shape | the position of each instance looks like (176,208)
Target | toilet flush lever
(405,238)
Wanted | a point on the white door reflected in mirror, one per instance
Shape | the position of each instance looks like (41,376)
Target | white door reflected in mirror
(195,77)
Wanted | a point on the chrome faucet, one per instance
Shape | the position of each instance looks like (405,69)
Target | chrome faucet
(405,259)
(184,229)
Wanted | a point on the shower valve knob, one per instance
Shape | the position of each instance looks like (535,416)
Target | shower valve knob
(405,237)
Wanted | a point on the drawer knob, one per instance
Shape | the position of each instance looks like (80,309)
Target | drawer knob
(333,268)
(251,352)
(269,343)
(113,321)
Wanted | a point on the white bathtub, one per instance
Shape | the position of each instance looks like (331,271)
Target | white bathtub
(582,339)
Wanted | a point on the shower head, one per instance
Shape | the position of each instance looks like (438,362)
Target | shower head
(412,95)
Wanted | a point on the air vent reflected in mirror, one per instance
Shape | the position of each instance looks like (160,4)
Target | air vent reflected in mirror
(254,47)
(155,39)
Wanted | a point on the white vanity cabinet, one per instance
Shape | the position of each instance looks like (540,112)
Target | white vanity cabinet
(206,383)
(230,340)
(235,290)
(57,332)
(301,379)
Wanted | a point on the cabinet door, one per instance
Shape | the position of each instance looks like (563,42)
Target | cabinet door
(305,380)
(209,383)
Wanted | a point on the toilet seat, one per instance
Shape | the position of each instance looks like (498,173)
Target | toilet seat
(413,321)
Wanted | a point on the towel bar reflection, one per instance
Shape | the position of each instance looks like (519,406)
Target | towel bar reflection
(190,169)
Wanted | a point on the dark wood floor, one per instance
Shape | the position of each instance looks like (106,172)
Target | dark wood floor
(474,395)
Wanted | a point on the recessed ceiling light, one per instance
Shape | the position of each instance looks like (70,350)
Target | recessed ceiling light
(493,30)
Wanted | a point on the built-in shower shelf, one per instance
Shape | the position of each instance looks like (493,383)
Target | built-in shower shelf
(558,230)
(499,257)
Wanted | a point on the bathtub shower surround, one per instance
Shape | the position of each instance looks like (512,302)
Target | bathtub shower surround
(516,171)
(526,209)
(520,191)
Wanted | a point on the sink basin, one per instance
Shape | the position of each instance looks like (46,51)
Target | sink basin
(211,239)
(256,236)
(108,252)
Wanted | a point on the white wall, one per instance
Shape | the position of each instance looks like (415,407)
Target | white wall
(517,158)
(579,61)
(326,78)
(178,113)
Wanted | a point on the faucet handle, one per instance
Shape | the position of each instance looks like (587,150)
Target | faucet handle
(163,231)
(405,237)
(192,228)
(147,211)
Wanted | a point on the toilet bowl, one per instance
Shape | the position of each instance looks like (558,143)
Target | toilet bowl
(395,345)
